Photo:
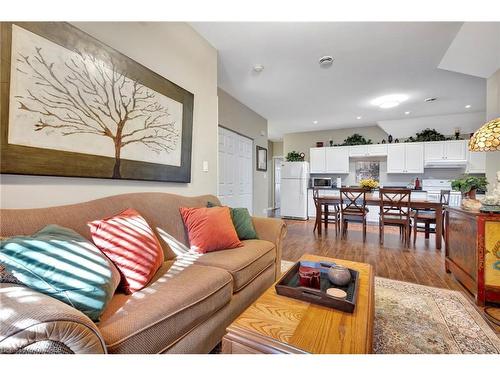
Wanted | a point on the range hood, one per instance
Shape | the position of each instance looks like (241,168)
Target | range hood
(445,163)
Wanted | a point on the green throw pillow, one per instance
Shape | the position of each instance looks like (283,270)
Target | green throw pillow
(242,222)
(59,262)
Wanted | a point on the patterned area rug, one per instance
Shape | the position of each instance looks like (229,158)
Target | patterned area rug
(416,319)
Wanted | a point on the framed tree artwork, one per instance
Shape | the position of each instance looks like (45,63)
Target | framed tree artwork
(72,106)
(261,161)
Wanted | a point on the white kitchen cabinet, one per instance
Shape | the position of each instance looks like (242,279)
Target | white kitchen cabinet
(367,150)
(405,158)
(433,151)
(337,159)
(455,150)
(317,160)
(476,162)
(414,158)
(396,158)
(445,150)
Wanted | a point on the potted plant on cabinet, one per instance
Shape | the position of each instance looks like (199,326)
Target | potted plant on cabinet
(468,185)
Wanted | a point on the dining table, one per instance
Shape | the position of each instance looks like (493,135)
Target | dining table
(373,199)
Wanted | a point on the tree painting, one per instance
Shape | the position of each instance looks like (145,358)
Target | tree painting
(79,95)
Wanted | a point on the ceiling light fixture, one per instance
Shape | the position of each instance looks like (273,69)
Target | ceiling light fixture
(389,101)
(407,112)
(325,61)
(358,118)
(468,106)
(258,68)
(315,122)
(431,99)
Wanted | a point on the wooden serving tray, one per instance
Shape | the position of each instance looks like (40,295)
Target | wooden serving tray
(289,286)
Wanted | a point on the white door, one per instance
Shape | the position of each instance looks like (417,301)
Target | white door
(337,159)
(414,158)
(317,159)
(396,158)
(454,150)
(278,161)
(235,169)
(434,151)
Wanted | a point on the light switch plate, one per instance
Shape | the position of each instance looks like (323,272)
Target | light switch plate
(205,166)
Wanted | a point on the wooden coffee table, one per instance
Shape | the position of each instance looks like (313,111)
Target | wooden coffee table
(278,324)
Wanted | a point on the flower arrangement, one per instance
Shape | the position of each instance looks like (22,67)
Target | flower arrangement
(368,183)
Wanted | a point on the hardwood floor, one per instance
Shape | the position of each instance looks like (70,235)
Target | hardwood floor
(420,264)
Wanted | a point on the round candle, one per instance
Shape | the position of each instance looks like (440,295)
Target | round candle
(336,292)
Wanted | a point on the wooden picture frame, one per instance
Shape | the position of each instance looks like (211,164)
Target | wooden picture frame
(162,141)
(261,159)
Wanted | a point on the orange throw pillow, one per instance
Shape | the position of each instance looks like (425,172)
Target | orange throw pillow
(132,246)
(210,229)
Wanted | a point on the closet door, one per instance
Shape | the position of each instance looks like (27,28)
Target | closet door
(235,169)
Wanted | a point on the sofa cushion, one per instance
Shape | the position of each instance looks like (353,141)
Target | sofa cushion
(243,263)
(132,246)
(59,262)
(242,222)
(181,296)
(210,229)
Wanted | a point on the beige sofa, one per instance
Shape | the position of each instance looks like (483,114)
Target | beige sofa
(185,308)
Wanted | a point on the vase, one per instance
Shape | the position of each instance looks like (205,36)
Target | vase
(339,275)
(471,194)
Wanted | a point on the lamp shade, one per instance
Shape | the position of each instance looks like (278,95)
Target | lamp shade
(487,137)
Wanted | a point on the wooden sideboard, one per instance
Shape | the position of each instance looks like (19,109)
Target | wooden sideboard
(473,252)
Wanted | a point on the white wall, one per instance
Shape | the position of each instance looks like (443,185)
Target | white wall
(445,124)
(236,116)
(302,142)
(175,51)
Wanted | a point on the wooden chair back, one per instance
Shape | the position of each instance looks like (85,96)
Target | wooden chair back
(444,197)
(315,197)
(395,202)
(353,201)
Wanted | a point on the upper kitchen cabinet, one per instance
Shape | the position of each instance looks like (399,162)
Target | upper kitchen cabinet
(317,160)
(476,162)
(445,154)
(367,150)
(405,158)
(337,159)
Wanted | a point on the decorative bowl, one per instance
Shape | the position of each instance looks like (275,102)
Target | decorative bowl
(339,275)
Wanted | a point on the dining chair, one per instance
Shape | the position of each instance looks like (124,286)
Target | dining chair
(428,218)
(326,215)
(395,211)
(353,208)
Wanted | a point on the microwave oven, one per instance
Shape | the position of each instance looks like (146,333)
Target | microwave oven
(321,182)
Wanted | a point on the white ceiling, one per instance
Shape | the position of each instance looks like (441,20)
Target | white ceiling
(475,50)
(371,59)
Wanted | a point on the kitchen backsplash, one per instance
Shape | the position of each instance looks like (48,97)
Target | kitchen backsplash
(395,179)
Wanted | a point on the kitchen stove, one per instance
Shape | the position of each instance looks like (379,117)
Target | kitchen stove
(434,187)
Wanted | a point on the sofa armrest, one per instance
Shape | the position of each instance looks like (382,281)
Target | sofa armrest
(272,230)
(32,322)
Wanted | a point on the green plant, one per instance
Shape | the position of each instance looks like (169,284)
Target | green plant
(467,183)
(428,135)
(356,139)
(294,156)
